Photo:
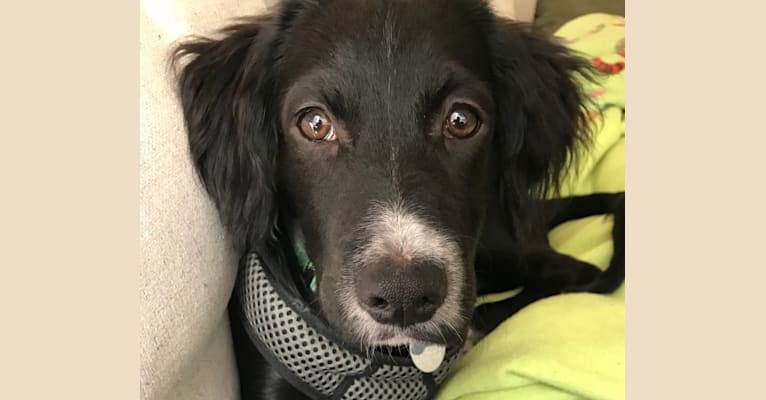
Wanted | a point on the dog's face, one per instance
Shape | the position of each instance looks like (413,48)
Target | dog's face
(386,136)
(383,129)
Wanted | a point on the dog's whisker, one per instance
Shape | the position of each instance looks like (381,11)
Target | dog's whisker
(453,329)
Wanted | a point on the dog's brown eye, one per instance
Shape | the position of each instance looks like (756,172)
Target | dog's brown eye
(461,123)
(316,125)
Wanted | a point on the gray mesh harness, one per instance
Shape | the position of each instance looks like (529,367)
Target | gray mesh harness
(305,352)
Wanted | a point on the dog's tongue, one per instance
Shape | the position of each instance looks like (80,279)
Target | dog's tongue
(427,356)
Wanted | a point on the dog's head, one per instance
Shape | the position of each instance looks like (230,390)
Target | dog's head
(383,129)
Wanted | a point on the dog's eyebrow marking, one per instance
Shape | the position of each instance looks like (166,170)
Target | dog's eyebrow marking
(430,101)
(336,102)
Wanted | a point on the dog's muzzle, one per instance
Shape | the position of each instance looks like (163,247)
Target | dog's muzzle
(306,352)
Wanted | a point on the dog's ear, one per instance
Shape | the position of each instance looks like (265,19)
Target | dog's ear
(540,107)
(225,92)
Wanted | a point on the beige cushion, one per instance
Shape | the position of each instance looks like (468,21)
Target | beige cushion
(519,10)
(187,268)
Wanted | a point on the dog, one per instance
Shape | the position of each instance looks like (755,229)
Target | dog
(411,143)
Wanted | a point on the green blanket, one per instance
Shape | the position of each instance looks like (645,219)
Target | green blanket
(569,346)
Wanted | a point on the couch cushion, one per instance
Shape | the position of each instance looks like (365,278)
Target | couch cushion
(187,268)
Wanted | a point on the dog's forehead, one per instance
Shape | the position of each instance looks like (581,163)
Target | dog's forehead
(408,36)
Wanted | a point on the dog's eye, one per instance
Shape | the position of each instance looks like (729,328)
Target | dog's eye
(461,123)
(316,125)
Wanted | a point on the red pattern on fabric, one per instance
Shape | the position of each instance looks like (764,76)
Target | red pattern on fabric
(608,68)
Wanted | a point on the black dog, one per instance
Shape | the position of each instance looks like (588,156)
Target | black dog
(409,141)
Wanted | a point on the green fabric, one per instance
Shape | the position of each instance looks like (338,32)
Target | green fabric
(550,15)
(568,346)
(303,258)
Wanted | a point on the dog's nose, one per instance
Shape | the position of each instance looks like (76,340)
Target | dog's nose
(401,294)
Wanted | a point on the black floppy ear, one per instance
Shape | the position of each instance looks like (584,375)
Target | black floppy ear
(226,96)
(541,110)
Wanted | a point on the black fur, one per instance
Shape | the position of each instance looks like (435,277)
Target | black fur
(225,96)
(239,93)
